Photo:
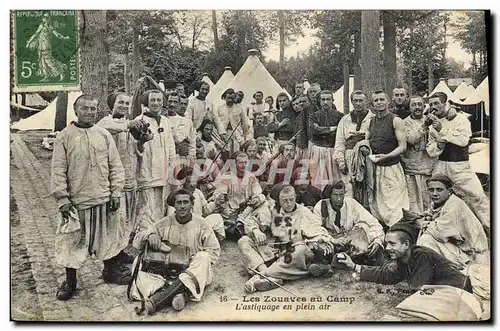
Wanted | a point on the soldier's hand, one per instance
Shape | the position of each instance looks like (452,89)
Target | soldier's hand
(373,249)
(285,121)
(452,112)
(64,209)
(341,241)
(345,259)
(441,144)
(114,204)
(437,126)
(154,241)
(260,237)
(364,150)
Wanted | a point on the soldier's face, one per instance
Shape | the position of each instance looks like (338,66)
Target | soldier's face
(296,106)
(252,151)
(269,101)
(437,107)
(239,97)
(180,89)
(200,152)
(261,146)
(394,246)
(259,119)
(241,164)
(182,205)
(258,97)
(173,103)
(289,152)
(122,105)
(359,102)
(326,101)
(287,201)
(417,107)
(207,130)
(399,96)
(380,101)
(299,89)
(337,198)
(182,107)
(438,192)
(304,101)
(86,111)
(155,102)
(204,89)
(283,102)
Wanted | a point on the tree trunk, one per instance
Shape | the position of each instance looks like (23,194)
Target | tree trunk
(370,51)
(126,73)
(345,71)
(214,29)
(389,54)
(430,72)
(241,38)
(61,119)
(281,22)
(94,52)
(410,66)
(357,61)
(136,57)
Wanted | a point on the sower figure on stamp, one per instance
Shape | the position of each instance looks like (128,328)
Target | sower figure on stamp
(129,137)
(191,251)
(341,214)
(449,141)
(87,181)
(417,163)
(352,129)
(155,163)
(387,138)
(279,248)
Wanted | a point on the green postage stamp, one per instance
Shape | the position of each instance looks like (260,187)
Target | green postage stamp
(46,52)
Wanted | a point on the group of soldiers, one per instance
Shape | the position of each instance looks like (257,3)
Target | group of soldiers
(294,183)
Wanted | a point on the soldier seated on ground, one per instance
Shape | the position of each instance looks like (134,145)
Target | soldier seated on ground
(281,247)
(353,227)
(192,250)
(237,195)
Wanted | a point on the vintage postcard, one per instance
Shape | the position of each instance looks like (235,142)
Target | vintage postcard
(250,165)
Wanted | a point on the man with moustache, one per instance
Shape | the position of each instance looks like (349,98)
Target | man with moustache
(283,124)
(449,142)
(199,108)
(417,163)
(387,140)
(323,126)
(192,246)
(299,89)
(155,163)
(352,129)
(231,117)
(87,179)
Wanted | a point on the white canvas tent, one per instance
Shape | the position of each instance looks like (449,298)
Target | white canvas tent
(339,96)
(45,119)
(221,85)
(442,87)
(463,91)
(253,77)
(480,94)
(35,100)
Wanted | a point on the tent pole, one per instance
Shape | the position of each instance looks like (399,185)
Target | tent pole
(482,103)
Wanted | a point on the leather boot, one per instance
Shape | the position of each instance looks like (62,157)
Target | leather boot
(163,297)
(68,287)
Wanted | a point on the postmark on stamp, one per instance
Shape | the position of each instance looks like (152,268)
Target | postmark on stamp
(45,47)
